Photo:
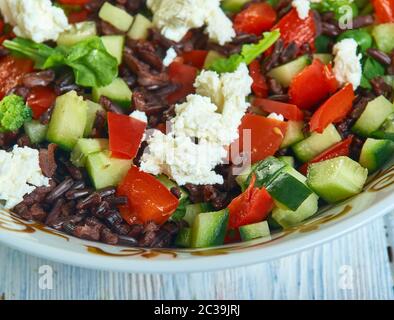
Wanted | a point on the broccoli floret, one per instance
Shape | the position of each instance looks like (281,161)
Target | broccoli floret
(13,113)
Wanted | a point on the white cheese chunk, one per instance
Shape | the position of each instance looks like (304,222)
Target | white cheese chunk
(302,7)
(170,57)
(276,116)
(176,17)
(178,154)
(20,174)
(37,20)
(139,115)
(347,63)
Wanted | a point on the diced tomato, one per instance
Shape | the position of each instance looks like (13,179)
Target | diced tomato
(12,70)
(293,28)
(125,135)
(266,137)
(312,85)
(289,111)
(40,99)
(78,16)
(195,58)
(255,19)
(384,10)
(2,24)
(184,76)
(340,149)
(335,109)
(252,206)
(148,198)
(259,86)
(74,2)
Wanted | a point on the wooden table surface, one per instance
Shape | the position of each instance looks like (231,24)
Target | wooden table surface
(355,266)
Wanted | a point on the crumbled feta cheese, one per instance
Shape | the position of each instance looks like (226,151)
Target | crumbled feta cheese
(177,154)
(20,174)
(347,63)
(139,115)
(170,57)
(37,20)
(176,17)
(302,7)
(276,116)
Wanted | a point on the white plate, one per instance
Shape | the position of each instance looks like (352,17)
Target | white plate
(377,199)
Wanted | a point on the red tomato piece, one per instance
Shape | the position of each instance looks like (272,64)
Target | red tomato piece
(289,111)
(78,16)
(334,110)
(40,99)
(252,206)
(384,10)
(266,136)
(340,149)
(292,28)
(259,86)
(195,58)
(148,198)
(184,76)
(312,85)
(255,19)
(12,70)
(125,135)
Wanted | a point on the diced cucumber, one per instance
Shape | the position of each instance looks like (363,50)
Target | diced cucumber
(105,171)
(337,179)
(119,18)
(384,36)
(36,131)
(93,108)
(78,32)
(254,231)
(375,153)
(288,190)
(85,147)
(183,238)
(316,143)
(114,45)
(233,5)
(68,120)
(289,160)
(285,73)
(293,134)
(373,116)
(266,171)
(326,58)
(242,179)
(192,210)
(140,28)
(287,218)
(211,57)
(386,131)
(209,229)
(118,91)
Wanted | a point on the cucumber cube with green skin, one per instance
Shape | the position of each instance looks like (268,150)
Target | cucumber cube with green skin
(105,171)
(233,5)
(115,16)
(289,160)
(36,131)
(383,35)
(114,44)
(140,28)
(375,153)
(78,32)
(337,179)
(192,210)
(209,229)
(254,231)
(84,148)
(68,120)
(285,73)
(294,133)
(287,218)
(183,238)
(326,58)
(373,116)
(93,108)
(118,91)
(316,143)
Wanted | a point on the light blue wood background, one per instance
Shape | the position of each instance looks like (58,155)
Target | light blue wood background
(355,266)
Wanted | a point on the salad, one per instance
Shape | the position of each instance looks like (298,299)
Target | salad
(191,123)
